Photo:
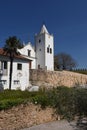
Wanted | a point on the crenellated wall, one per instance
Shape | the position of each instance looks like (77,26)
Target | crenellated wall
(49,79)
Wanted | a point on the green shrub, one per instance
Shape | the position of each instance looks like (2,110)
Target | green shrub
(42,100)
(81,102)
(5,104)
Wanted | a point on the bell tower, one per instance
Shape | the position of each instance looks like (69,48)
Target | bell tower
(44,43)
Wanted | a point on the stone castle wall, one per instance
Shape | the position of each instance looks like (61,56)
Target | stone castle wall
(44,78)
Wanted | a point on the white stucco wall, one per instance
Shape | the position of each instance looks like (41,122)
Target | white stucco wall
(40,50)
(49,57)
(4,77)
(45,59)
(24,51)
(21,75)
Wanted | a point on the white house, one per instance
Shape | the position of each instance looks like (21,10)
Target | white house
(42,54)
(20,73)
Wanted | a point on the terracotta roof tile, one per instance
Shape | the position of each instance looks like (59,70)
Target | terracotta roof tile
(3,53)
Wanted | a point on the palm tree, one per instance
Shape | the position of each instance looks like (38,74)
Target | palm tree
(10,48)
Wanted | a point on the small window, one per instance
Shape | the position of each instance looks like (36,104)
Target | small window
(47,49)
(39,40)
(29,52)
(3,82)
(5,64)
(19,66)
(16,82)
(50,50)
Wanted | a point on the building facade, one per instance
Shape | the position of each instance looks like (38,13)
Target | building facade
(28,51)
(20,72)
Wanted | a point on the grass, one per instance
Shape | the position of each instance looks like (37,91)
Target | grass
(12,98)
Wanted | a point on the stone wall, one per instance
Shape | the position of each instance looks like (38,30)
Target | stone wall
(49,79)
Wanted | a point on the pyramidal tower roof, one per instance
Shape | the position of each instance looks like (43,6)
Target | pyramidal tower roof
(43,30)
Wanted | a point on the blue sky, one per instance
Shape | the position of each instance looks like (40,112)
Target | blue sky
(65,19)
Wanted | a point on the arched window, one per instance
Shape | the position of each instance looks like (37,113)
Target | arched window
(50,50)
(47,49)
(29,52)
(39,40)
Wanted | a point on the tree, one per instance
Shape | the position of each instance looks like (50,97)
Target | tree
(56,64)
(64,61)
(10,48)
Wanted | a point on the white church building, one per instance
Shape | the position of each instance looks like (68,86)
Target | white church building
(40,56)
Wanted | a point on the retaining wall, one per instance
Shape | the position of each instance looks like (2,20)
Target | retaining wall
(48,79)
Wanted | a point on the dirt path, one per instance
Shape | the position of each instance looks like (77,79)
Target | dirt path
(56,125)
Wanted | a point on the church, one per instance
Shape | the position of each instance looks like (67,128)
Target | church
(42,54)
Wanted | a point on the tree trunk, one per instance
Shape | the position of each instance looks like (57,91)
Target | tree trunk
(10,75)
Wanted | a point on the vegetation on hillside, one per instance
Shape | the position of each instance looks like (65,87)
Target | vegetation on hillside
(81,71)
(67,102)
